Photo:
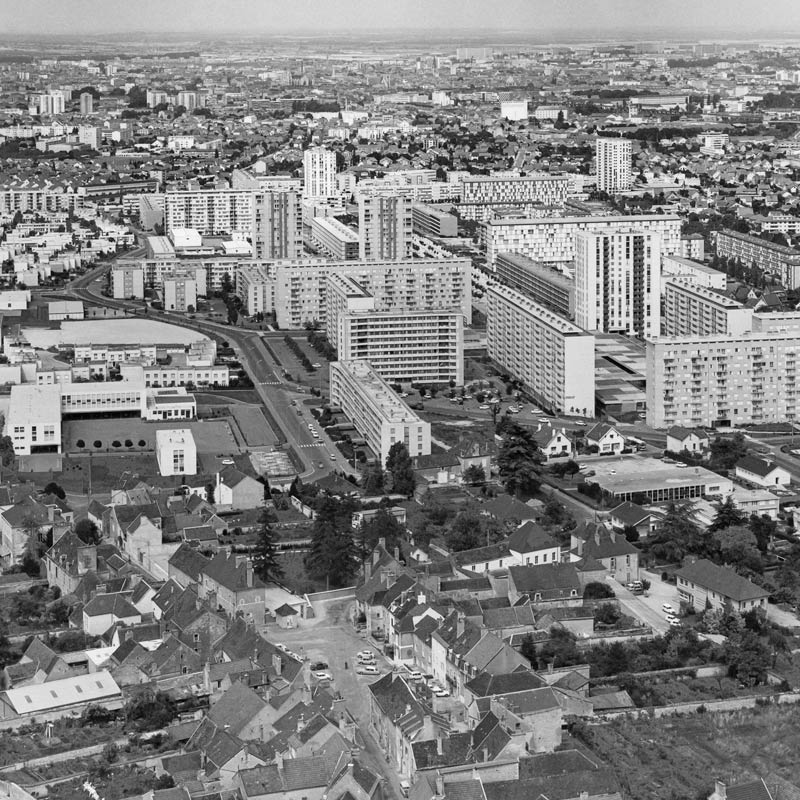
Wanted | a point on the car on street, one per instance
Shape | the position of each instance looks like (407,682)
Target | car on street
(323,676)
(544,419)
(333,457)
(282,647)
(367,669)
(316,366)
(439,692)
(414,675)
(365,654)
(582,466)
(310,426)
(674,622)
(667,608)
(484,407)
(319,665)
(581,423)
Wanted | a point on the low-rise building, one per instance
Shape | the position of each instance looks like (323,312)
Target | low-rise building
(606,438)
(706,585)
(176,451)
(762,472)
(692,440)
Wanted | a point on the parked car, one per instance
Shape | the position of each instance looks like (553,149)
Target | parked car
(319,665)
(414,675)
(323,676)
(367,669)
(439,692)
(667,608)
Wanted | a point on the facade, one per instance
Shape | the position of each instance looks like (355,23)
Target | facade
(300,288)
(277,230)
(176,451)
(401,346)
(762,473)
(704,584)
(481,195)
(335,238)
(127,282)
(547,286)
(256,287)
(209,211)
(379,415)
(617,281)
(775,259)
(692,272)
(384,228)
(551,240)
(87,104)
(34,419)
(427,220)
(180,293)
(722,380)
(514,110)
(613,158)
(693,310)
(319,173)
(552,356)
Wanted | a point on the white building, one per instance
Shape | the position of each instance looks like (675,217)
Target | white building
(552,239)
(514,110)
(256,287)
(546,285)
(553,357)
(176,451)
(422,347)
(319,173)
(377,412)
(335,238)
(87,103)
(692,271)
(209,211)
(693,310)
(277,230)
(180,293)
(722,380)
(617,281)
(384,228)
(127,281)
(613,165)
(15,300)
(775,259)
(480,195)
(34,419)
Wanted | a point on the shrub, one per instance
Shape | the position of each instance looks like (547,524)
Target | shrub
(80,443)
(97,444)
(142,442)
(116,443)
(128,443)
(701,709)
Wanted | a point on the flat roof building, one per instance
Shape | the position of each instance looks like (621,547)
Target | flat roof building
(546,285)
(377,412)
(694,310)
(692,271)
(427,220)
(775,259)
(176,451)
(34,419)
(335,238)
(553,357)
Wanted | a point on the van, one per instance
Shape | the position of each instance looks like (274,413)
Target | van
(405,788)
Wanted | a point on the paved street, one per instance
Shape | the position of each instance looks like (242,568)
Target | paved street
(648,609)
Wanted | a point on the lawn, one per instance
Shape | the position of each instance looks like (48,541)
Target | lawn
(295,577)
(677,757)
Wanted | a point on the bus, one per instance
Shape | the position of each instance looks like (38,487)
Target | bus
(635,444)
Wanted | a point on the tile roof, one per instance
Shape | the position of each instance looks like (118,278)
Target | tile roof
(757,466)
(236,708)
(189,561)
(722,580)
(115,604)
(231,572)
(550,580)
(599,542)
(529,538)
(754,790)
(630,513)
(485,685)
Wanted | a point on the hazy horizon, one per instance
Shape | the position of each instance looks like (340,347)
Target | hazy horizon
(577,19)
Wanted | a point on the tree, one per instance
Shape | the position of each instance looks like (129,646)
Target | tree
(87,531)
(7,454)
(677,534)
(763,529)
(265,556)
(527,649)
(381,526)
(727,516)
(554,512)
(738,546)
(54,488)
(398,464)
(727,450)
(334,554)
(747,658)
(595,590)
(607,614)
(631,533)
(560,650)
(149,710)
(372,480)
(517,461)
(474,475)
(210,498)
(466,531)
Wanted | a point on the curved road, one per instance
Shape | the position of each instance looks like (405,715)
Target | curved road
(293,421)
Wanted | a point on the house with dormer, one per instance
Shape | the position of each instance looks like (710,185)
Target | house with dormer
(597,543)
(231,585)
(553,442)
(606,438)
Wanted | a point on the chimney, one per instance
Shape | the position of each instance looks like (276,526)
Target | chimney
(421,598)
(367,571)
(459,624)
(396,553)
(207,676)
(439,745)
(382,542)
(240,559)
(249,573)
(375,556)
(597,536)
(277,663)
(720,790)
(301,723)
(550,667)
(279,761)
(612,535)
(485,755)
(439,785)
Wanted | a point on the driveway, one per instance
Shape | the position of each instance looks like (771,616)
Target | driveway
(648,609)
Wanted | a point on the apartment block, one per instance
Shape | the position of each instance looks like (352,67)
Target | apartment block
(319,173)
(34,419)
(552,239)
(300,288)
(553,357)
(693,272)
(180,293)
(384,228)
(722,380)
(210,212)
(334,238)
(692,310)
(776,259)
(277,227)
(617,281)
(256,288)
(481,195)
(426,220)
(547,286)
(377,412)
(127,282)
(417,347)
(614,161)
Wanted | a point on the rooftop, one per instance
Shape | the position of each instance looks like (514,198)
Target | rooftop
(539,312)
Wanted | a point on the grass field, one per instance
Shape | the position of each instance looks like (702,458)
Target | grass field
(295,577)
(679,757)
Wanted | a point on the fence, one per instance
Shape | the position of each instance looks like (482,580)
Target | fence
(334,594)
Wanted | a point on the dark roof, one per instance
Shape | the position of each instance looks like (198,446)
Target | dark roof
(754,790)
(237,706)
(481,554)
(115,604)
(681,433)
(630,513)
(455,750)
(506,507)
(188,561)
(231,572)
(485,685)
(549,580)
(599,542)
(529,538)
(758,466)
(722,580)
(598,431)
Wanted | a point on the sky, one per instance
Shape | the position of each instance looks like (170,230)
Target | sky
(593,18)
